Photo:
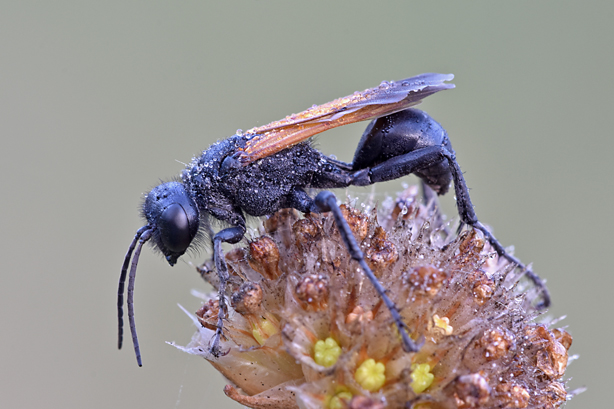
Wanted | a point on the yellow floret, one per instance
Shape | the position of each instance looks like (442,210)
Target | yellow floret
(421,377)
(326,352)
(339,401)
(443,323)
(370,375)
(263,329)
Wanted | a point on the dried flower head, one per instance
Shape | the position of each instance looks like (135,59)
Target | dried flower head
(307,329)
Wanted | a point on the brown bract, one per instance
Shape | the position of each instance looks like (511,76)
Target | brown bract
(295,291)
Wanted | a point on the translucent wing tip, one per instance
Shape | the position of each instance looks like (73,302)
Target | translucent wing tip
(433,79)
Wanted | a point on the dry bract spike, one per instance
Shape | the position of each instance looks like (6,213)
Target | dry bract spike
(308,330)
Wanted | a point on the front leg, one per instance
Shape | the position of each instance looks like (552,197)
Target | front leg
(230,235)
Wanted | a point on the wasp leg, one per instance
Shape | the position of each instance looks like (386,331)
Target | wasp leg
(230,235)
(208,266)
(327,202)
(411,162)
(463,202)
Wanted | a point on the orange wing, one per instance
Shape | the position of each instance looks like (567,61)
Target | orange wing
(388,98)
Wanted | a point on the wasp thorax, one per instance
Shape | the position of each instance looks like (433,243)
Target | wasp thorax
(310,332)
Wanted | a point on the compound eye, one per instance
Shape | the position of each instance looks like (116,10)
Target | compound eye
(174,228)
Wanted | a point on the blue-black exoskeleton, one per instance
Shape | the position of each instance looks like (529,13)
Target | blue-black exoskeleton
(274,166)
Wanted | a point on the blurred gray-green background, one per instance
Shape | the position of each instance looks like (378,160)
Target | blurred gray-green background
(100,100)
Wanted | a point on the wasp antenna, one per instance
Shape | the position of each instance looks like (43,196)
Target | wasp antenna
(120,288)
(131,278)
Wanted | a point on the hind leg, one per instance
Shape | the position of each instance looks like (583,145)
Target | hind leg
(413,162)
(327,202)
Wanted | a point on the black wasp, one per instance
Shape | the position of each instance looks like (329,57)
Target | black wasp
(274,166)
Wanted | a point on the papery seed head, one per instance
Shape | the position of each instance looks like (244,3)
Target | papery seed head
(557,392)
(281,220)
(404,207)
(551,355)
(280,225)
(470,248)
(553,394)
(563,337)
(299,297)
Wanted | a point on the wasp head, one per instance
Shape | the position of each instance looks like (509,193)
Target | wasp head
(173,218)
(172,224)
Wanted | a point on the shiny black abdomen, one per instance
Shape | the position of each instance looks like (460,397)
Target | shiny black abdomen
(400,133)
